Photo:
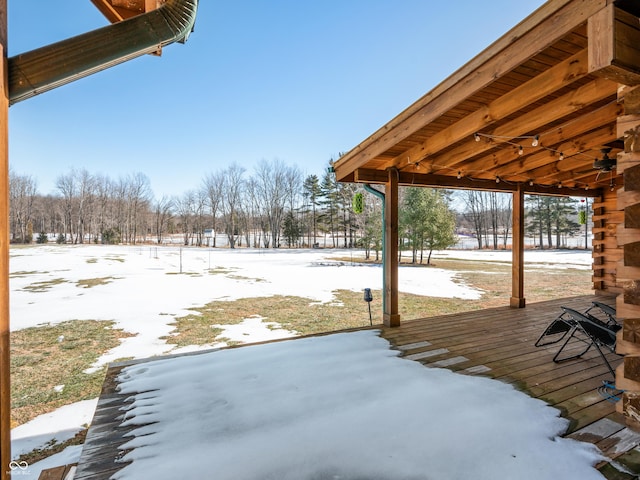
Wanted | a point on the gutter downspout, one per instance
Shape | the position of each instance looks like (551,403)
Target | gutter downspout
(381,196)
(52,66)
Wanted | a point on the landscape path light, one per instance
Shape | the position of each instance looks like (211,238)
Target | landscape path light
(368,297)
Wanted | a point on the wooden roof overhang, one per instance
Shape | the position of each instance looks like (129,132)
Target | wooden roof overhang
(119,10)
(557,75)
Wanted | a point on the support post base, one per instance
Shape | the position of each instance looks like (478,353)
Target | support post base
(391,320)
(516,302)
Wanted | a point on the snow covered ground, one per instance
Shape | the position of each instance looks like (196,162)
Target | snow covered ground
(145,291)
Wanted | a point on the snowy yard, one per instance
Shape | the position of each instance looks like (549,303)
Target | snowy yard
(337,407)
(142,290)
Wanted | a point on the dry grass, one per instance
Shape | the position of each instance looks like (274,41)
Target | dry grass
(23,273)
(94,282)
(348,310)
(51,356)
(44,285)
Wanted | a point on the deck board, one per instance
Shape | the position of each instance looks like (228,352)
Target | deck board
(499,343)
(496,343)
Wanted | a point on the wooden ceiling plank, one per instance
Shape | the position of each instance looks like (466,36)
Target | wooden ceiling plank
(535,89)
(571,102)
(545,26)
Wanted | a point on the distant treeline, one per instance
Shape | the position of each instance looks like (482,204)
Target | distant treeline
(271,207)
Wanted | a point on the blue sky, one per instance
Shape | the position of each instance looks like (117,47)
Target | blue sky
(289,80)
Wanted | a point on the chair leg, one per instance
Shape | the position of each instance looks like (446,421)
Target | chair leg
(573,333)
(604,359)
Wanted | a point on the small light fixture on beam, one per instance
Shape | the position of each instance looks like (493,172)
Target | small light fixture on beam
(459,176)
(497,179)
(561,157)
(520,150)
(531,183)
(536,141)
(476,137)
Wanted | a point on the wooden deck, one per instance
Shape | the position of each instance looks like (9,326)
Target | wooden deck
(498,343)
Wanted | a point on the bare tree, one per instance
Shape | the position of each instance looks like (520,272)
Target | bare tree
(231,200)
(506,217)
(271,195)
(162,215)
(67,186)
(22,194)
(199,212)
(138,194)
(252,209)
(103,188)
(85,194)
(213,186)
(185,208)
(476,213)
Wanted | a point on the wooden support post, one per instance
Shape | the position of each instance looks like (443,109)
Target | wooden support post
(5,375)
(391,317)
(517,250)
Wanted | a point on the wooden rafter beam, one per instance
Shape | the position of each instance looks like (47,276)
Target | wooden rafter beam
(559,76)
(507,163)
(545,163)
(593,92)
(587,150)
(560,139)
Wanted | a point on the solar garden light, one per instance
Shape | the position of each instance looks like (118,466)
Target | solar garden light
(368,297)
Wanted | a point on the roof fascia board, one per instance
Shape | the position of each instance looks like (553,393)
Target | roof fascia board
(410,179)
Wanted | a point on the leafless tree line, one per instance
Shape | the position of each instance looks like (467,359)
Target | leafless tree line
(271,207)
(549,220)
(88,208)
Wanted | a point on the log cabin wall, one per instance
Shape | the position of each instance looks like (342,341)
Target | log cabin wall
(628,272)
(607,219)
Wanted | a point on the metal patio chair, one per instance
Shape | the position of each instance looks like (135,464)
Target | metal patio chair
(563,323)
(591,332)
